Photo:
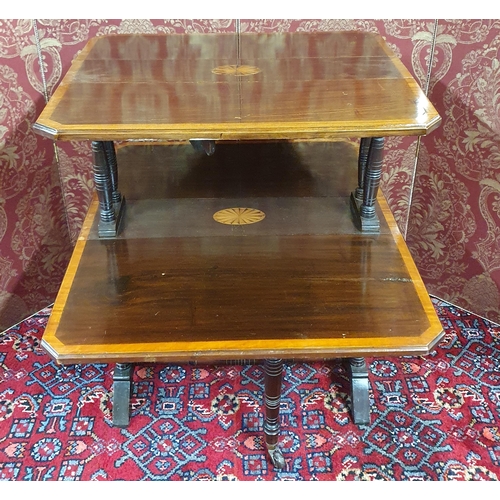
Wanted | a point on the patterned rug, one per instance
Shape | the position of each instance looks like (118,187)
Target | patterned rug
(433,418)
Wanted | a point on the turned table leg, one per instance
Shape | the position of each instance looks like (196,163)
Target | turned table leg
(122,386)
(111,203)
(273,369)
(369,173)
(364,149)
(109,149)
(359,390)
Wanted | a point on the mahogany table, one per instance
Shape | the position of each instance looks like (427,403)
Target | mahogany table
(260,234)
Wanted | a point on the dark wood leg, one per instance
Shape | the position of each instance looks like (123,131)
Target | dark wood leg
(373,173)
(122,386)
(359,391)
(109,149)
(118,199)
(102,181)
(273,369)
(363,210)
(364,149)
(105,180)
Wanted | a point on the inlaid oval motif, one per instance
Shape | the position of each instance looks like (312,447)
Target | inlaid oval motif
(236,70)
(239,216)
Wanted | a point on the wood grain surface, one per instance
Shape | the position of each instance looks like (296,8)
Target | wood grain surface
(308,85)
(301,283)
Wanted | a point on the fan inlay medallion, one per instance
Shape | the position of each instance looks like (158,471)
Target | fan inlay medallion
(239,216)
(236,70)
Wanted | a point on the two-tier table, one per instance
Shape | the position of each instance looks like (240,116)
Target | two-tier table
(260,233)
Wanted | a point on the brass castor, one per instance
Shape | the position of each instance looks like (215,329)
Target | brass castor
(277,457)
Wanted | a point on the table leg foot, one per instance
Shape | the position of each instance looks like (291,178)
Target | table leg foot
(363,224)
(277,458)
(111,229)
(273,369)
(122,385)
(359,391)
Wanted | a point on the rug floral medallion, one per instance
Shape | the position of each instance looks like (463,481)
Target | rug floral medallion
(433,418)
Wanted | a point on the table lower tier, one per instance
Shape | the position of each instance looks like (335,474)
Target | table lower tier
(239,296)
(294,280)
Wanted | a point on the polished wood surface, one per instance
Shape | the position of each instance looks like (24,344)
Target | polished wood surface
(301,283)
(228,87)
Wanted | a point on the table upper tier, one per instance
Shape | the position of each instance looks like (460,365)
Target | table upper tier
(227,86)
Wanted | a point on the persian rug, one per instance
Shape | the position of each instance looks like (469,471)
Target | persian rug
(433,418)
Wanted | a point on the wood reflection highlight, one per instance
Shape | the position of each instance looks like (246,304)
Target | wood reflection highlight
(267,86)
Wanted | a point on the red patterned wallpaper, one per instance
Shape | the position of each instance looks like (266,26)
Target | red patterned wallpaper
(454,230)
(34,240)
(450,179)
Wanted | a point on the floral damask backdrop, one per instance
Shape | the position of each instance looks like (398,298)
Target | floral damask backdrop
(443,189)
(454,224)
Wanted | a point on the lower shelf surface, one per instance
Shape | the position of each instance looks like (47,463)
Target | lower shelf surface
(179,285)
